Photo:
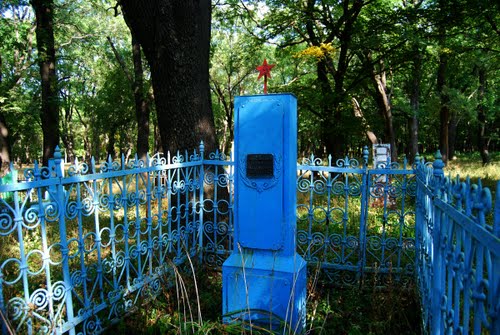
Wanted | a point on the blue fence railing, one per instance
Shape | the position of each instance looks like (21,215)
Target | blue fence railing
(458,263)
(81,245)
(355,222)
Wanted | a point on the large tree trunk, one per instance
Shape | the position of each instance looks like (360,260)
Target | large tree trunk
(44,12)
(175,37)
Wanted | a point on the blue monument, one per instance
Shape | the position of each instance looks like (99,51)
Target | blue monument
(264,279)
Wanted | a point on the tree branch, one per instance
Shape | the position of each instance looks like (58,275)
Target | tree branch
(120,61)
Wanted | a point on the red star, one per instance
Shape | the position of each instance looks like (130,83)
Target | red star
(265,70)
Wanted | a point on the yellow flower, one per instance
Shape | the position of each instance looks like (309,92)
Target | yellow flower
(317,52)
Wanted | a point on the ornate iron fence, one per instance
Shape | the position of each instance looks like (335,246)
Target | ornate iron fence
(458,253)
(218,225)
(81,247)
(355,223)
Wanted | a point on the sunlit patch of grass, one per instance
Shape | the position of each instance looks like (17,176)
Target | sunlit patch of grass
(471,165)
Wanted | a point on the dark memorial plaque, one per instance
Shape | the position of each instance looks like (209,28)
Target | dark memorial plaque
(260,166)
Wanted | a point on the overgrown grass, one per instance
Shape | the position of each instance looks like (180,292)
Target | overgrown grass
(192,305)
(393,310)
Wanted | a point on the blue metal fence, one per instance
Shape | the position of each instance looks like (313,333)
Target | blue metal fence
(81,246)
(458,253)
(356,222)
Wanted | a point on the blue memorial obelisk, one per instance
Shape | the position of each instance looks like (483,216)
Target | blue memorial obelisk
(264,279)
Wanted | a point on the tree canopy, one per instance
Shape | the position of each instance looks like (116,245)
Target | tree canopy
(138,76)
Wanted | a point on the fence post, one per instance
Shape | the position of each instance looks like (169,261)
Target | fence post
(421,246)
(418,212)
(201,228)
(60,200)
(364,214)
(495,327)
(496,220)
(437,249)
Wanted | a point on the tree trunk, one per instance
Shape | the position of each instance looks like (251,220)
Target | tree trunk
(444,113)
(4,147)
(175,38)
(329,136)
(415,105)
(452,134)
(110,150)
(4,136)
(359,114)
(385,107)
(481,117)
(67,135)
(44,12)
(141,103)
(95,139)
(68,140)
(157,138)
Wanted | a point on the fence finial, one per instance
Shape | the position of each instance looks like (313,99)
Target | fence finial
(366,154)
(57,153)
(202,149)
(438,164)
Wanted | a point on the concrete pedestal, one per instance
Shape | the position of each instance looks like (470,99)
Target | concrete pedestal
(264,289)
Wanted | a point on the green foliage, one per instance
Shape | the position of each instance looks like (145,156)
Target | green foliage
(96,99)
(399,34)
(95,94)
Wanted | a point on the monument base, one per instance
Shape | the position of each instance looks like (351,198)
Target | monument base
(265,289)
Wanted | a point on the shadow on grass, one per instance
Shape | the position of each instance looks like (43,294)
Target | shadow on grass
(349,310)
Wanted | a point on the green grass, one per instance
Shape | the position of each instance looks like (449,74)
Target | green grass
(471,165)
(393,310)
